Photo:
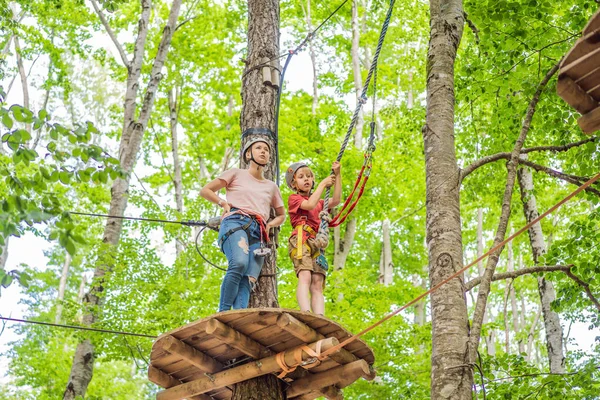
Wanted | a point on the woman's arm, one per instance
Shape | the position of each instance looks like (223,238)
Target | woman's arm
(278,220)
(209,192)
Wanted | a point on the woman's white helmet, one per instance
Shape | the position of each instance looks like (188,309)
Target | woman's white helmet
(291,171)
(249,144)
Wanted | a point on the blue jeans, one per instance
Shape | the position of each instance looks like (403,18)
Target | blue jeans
(242,263)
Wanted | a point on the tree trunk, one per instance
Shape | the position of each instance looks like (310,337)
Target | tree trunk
(343,245)
(258,111)
(173,114)
(388,263)
(450,377)
(531,336)
(4,254)
(131,138)
(490,342)
(61,288)
(513,298)
(552,325)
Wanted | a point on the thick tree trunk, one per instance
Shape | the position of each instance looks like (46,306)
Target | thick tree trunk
(450,377)
(173,117)
(61,288)
(131,138)
(554,334)
(258,111)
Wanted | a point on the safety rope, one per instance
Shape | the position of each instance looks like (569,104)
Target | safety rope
(324,228)
(162,221)
(81,328)
(462,270)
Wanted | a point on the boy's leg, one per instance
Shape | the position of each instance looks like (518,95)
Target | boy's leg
(316,293)
(302,291)
(236,250)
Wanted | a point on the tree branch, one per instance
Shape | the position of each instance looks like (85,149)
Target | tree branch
(492,261)
(515,274)
(112,35)
(504,156)
(585,287)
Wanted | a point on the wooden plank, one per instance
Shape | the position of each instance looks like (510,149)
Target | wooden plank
(593,23)
(329,392)
(580,67)
(191,355)
(160,378)
(239,374)
(163,380)
(351,371)
(595,91)
(590,122)
(305,333)
(235,339)
(589,80)
(575,96)
(584,45)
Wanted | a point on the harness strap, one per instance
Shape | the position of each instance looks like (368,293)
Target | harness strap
(232,231)
(300,239)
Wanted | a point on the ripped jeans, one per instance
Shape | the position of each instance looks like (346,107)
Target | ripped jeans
(242,263)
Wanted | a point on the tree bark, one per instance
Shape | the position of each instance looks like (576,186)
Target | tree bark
(258,111)
(490,339)
(450,377)
(61,288)
(343,245)
(554,334)
(513,298)
(173,117)
(531,336)
(131,138)
(4,255)
(388,263)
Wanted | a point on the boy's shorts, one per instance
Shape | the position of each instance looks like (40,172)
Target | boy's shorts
(307,262)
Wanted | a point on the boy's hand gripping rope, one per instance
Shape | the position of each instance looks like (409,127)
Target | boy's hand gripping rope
(322,238)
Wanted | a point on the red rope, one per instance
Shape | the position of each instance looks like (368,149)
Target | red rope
(462,270)
(337,220)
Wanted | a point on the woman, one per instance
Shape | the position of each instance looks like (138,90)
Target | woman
(244,227)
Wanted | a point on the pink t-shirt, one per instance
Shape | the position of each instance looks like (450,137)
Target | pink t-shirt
(249,194)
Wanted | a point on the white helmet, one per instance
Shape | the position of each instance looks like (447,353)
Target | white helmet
(249,145)
(291,171)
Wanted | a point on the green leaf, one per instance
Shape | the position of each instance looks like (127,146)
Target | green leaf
(70,246)
(6,280)
(64,177)
(51,147)
(7,120)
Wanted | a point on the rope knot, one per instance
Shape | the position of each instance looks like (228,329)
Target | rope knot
(362,100)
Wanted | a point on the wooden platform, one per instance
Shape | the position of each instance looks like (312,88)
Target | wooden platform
(202,360)
(579,76)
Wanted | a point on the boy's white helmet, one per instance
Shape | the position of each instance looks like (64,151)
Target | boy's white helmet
(291,171)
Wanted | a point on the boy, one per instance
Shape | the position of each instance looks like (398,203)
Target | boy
(304,207)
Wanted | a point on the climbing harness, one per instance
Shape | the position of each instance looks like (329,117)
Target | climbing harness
(264,237)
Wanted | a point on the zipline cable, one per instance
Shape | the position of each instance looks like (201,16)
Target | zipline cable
(81,328)
(462,270)
(162,221)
